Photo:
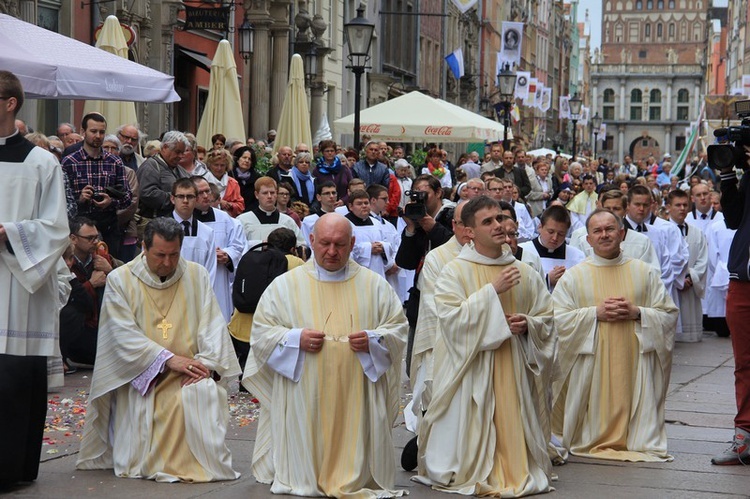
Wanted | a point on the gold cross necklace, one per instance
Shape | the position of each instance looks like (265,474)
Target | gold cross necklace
(164,325)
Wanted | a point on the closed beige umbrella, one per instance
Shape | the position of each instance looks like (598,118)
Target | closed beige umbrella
(223,111)
(294,123)
(112,40)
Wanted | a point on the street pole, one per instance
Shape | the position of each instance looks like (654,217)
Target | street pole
(506,124)
(573,158)
(358,71)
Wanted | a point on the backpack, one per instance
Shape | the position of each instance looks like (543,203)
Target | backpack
(254,273)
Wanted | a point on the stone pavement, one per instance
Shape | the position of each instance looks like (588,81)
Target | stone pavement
(700,409)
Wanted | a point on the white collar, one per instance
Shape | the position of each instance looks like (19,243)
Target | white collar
(4,139)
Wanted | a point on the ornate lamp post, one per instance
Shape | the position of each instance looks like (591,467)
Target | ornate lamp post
(596,123)
(507,84)
(575,103)
(358,33)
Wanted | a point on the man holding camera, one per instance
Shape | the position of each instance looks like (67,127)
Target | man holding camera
(98,180)
(428,225)
(736,203)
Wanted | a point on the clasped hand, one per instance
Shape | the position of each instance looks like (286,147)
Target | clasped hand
(616,309)
(312,340)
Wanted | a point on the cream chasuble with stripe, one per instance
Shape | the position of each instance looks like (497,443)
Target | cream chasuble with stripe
(173,433)
(609,400)
(486,429)
(329,433)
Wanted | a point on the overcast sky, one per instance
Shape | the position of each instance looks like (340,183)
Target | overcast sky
(595,16)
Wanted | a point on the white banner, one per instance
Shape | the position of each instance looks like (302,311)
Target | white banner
(464,5)
(584,116)
(522,84)
(510,42)
(564,107)
(746,85)
(530,100)
(538,95)
(546,100)
(603,131)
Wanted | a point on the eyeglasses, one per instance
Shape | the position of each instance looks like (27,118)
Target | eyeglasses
(512,234)
(128,137)
(185,197)
(90,239)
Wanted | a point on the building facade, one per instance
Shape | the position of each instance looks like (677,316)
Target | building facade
(647,81)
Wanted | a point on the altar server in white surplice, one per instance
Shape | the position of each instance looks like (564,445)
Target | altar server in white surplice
(556,255)
(327,197)
(325,363)
(158,403)
(229,239)
(33,234)
(719,238)
(199,245)
(703,213)
(616,324)
(634,244)
(373,249)
(485,432)
(691,311)
(264,218)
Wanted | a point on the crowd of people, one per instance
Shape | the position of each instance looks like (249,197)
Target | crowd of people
(554,289)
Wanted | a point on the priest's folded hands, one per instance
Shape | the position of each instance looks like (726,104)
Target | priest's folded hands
(312,340)
(193,369)
(615,309)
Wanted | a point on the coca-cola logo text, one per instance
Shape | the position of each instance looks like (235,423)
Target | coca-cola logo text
(438,130)
(372,128)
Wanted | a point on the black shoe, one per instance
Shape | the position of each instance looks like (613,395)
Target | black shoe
(409,455)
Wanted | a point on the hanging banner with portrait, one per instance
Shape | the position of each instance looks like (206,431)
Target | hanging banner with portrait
(510,43)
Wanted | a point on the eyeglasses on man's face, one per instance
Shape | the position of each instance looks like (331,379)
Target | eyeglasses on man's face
(90,239)
(185,197)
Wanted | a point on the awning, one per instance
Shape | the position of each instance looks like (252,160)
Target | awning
(198,58)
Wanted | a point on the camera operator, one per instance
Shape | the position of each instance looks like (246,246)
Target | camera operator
(419,237)
(736,204)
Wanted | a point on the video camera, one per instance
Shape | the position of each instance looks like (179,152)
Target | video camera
(725,156)
(418,206)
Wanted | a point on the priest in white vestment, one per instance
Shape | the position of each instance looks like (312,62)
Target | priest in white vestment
(230,242)
(325,363)
(634,244)
(199,244)
(584,203)
(33,234)
(690,328)
(264,218)
(485,432)
(158,403)
(616,324)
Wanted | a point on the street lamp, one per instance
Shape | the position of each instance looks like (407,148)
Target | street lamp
(311,65)
(596,123)
(506,80)
(358,33)
(245,31)
(575,103)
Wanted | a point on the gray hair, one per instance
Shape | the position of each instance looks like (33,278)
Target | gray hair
(301,156)
(141,135)
(167,228)
(174,137)
(113,139)
(193,141)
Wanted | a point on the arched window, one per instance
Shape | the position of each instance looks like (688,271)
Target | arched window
(683,105)
(671,31)
(655,96)
(648,30)
(660,4)
(639,5)
(671,4)
(696,31)
(609,96)
(649,4)
(636,96)
(683,95)
(659,30)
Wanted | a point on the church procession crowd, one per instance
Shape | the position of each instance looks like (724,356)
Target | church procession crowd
(536,301)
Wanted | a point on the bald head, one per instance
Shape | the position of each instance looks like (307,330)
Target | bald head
(332,241)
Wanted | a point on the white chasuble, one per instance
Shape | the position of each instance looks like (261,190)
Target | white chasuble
(608,401)
(329,432)
(487,426)
(173,432)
